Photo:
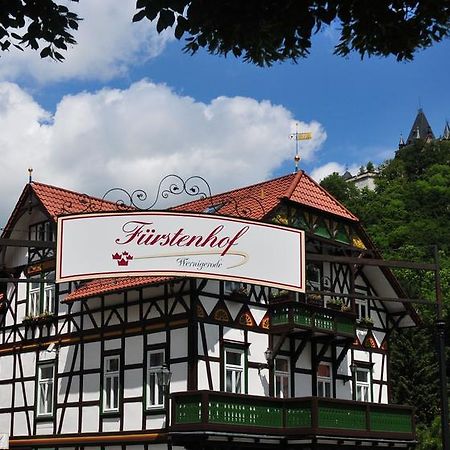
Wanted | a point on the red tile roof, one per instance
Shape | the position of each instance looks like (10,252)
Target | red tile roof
(98,287)
(58,201)
(256,201)
(253,202)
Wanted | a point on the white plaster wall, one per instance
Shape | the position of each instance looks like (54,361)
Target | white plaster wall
(20,424)
(376,371)
(304,362)
(132,416)
(91,387)
(5,423)
(134,350)
(360,355)
(5,396)
(111,424)
(133,314)
(90,416)
(113,344)
(257,383)
(28,364)
(92,355)
(233,334)
(70,423)
(178,343)
(133,383)
(302,385)
(6,367)
(258,345)
(44,428)
(178,382)
(74,389)
(344,390)
(155,422)
(21,312)
(212,340)
(156,338)
(202,378)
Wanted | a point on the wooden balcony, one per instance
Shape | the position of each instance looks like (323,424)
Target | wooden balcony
(293,418)
(296,316)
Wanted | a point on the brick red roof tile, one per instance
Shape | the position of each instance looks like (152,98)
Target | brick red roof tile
(102,286)
(256,201)
(58,201)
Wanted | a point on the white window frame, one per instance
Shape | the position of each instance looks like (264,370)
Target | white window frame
(114,393)
(362,305)
(325,381)
(152,381)
(41,299)
(234,370)
(45,391)
(281,376)
(363,387)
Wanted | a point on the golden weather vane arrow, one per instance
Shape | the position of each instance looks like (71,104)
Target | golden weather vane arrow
(304,136)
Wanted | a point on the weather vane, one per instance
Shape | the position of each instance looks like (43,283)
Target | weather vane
(304,136)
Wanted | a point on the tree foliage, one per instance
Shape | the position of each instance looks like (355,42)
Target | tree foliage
(35,24)
(260,31)
(405,216)
(266,31)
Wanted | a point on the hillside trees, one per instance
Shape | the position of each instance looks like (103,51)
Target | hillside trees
(406,215)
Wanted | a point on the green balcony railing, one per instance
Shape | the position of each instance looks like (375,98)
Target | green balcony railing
(297,315)
(207,410)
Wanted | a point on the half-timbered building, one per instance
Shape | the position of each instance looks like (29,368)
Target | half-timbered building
(85,365)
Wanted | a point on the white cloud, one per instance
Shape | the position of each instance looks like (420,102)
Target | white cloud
(108,44)
(131,138)
(319,173)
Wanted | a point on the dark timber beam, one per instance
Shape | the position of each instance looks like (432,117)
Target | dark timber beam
(370,262)
(26,243)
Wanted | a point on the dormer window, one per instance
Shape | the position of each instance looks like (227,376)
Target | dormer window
(42,232)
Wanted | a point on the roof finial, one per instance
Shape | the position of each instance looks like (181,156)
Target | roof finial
(401,143)
(299,137)
(30,174)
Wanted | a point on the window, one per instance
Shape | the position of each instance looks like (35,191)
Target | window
(155,394)
(46,381)
(41,294)
(43,231)
(111,373)
(324,380)
(361,308)
(234,370)
(281,377)
(313,275)
(362,388)
(235,286)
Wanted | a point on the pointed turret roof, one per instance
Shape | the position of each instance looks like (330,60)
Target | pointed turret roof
(420,129)
(446,134)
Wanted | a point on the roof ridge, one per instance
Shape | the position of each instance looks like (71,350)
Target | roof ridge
(249,187)
(294,183)
(70,191)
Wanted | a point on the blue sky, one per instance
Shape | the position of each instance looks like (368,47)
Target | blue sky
(128,107)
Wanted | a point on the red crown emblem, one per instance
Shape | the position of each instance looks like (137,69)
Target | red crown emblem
(122,258)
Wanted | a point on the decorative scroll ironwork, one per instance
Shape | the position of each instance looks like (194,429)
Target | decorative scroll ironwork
(171,185)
